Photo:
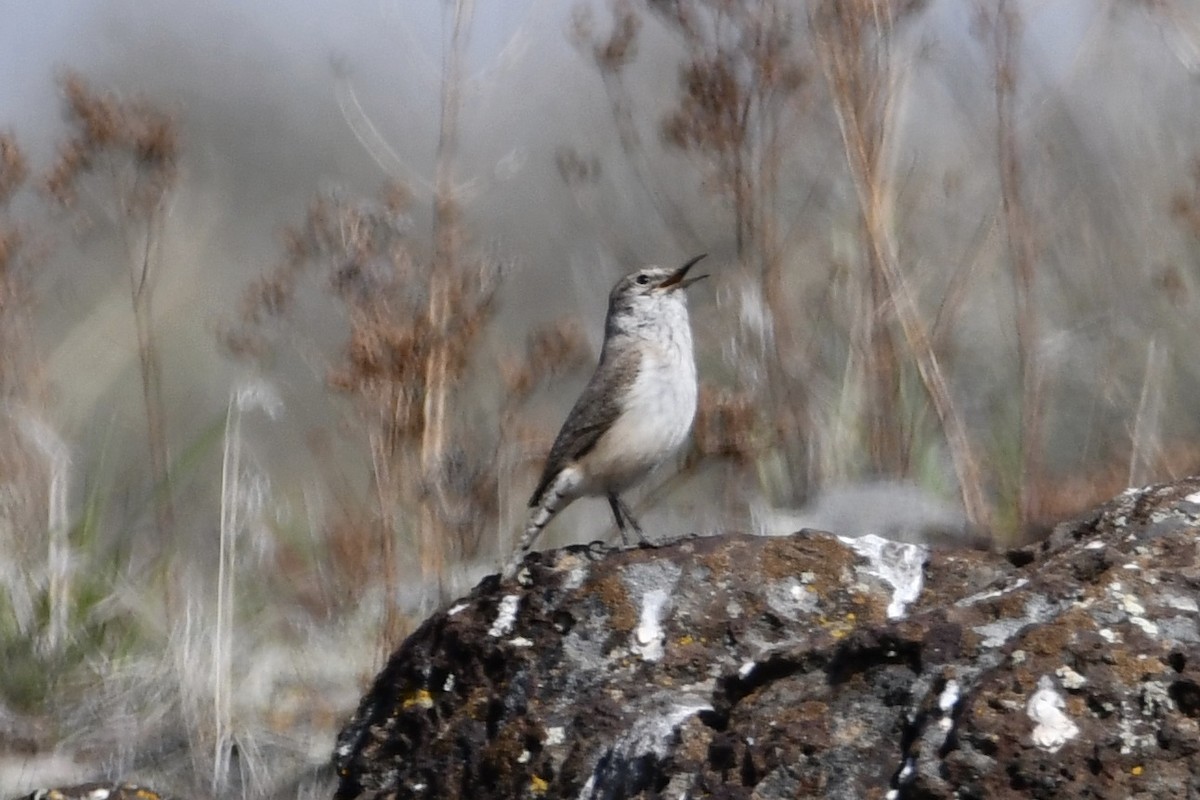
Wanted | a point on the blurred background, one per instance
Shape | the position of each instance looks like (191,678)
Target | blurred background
(294,296)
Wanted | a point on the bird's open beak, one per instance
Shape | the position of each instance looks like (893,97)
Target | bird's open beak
(676,279)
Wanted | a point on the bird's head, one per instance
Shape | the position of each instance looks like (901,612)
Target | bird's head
(644,293)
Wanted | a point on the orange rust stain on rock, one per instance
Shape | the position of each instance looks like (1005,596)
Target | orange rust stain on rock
(609,588)
(1052,638)
(723,560)
(1011,605)
(825,557)
(694,740)
(1129,668)
(869,609)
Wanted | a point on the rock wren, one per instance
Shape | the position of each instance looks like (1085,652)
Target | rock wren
(635,411)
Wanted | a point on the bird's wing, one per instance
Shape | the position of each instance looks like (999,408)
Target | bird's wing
(593,414)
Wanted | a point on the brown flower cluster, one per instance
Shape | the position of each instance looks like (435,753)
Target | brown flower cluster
(105,126)
(551,350)
(726,425)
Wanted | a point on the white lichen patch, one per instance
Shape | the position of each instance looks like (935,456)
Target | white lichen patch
(520,641)
(791,600)
(907,770)
(1069,678)
(1181,602)
(1138,727)
(991,593)
(650,585)
(1052,728)
(898,564)
(1131,604)
(1156,699)
(1095,544)
(946,702)
(506,617)
(555,735)
(648,636)
(745,669)
(1109,635)
(575,578)
(1194,497)
(997,633)
(457,607)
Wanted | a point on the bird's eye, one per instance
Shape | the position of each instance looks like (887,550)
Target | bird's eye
(642,280)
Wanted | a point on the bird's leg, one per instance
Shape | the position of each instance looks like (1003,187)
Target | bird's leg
(615,504)
(623,515)
(631,520)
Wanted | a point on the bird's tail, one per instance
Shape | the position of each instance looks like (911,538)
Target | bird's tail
(541,510)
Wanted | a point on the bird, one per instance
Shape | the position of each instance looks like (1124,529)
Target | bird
(636,410)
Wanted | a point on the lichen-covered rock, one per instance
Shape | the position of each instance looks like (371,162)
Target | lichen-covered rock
(97,791)
(809,666)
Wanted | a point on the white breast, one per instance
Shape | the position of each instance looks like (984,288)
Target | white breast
(657,414)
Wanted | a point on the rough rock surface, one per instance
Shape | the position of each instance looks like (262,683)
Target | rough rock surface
(743,667)
(96,791)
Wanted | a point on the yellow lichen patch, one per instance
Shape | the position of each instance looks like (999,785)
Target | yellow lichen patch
(685,640)
(870,608)
(146,794)
(838,627)
(538,785)
(1136,771)
(420,697)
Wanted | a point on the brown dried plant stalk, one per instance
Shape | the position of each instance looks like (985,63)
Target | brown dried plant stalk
(1003,23)
(389,294)
(447,252)
(120,162)
(18,368)
(415,310)
(33,527)
(852,39)
(389,290)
